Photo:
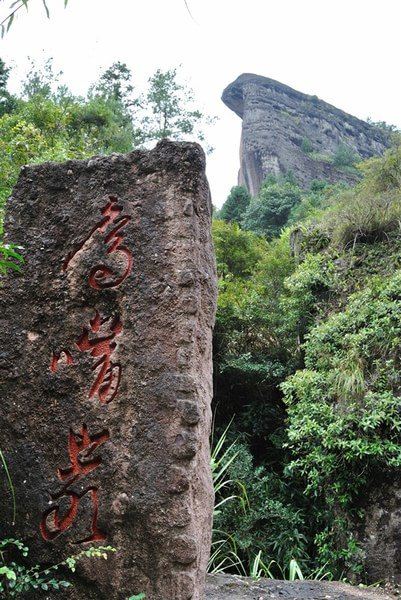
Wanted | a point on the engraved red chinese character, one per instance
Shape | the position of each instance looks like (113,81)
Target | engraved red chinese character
(99,341)
(102,276)
(81,448)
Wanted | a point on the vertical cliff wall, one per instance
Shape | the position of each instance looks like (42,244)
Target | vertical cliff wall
(284,130)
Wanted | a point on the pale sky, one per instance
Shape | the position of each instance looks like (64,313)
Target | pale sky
(347,52)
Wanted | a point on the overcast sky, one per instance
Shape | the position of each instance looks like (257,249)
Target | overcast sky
(347,52)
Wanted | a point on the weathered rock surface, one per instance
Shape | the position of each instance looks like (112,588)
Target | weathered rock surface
(285,130)
(106,369)
(226,587)
(380,531)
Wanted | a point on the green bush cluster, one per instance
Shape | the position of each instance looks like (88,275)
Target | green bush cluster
(18,580)
(261,518)
(269,212)
(306,145)
(344,418)
(344,156)
(344,408)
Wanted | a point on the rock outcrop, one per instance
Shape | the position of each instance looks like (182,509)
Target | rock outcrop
(284,130)
(106,370)
(380,531)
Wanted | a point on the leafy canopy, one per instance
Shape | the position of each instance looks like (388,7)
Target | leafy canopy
(268,213)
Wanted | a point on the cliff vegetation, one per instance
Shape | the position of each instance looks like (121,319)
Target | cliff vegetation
(307,353)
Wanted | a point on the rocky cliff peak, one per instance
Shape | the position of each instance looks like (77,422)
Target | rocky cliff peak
(284,130)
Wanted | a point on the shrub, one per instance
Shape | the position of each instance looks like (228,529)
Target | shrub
(306,145)
(366,218)
(383,174)
(368,213)
(16,580)
(320,195)
(268,213)
(262,516)
(10,259)
(237,251)
(344,156)
(344,421)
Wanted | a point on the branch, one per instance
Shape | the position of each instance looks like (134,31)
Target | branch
(6,23)
(189,12)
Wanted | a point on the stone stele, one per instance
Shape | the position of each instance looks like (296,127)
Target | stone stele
(106,370)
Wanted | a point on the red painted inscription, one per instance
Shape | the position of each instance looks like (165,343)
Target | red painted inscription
(55,521)
(102,276)
(99,341)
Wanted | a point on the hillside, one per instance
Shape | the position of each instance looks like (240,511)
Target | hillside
(307,354)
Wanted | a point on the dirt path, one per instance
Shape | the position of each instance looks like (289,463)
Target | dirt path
(225,587)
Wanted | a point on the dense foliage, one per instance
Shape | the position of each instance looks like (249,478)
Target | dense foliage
(48,122)
(306,358)
(270,210)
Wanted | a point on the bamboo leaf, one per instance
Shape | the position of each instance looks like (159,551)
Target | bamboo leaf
(10,21)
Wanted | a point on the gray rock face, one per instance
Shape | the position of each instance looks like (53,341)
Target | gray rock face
(380,532)
(284,130)
(106,370)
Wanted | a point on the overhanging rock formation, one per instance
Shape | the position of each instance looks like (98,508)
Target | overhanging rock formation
(106,370)
(286,131)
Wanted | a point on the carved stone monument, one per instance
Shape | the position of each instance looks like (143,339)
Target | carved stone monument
(106,369)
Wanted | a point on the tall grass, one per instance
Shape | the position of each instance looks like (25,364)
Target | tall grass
(3,462)
(225,555)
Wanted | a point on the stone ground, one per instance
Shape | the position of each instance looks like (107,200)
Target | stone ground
(228,587)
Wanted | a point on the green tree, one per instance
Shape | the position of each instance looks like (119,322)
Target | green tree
(113,93)
(268,213)
(116,84)
(7,101)
(237,251)
(41,80)
(236,204)
(169,110)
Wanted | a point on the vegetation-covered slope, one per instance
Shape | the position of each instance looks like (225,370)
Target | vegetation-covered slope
(307,359)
